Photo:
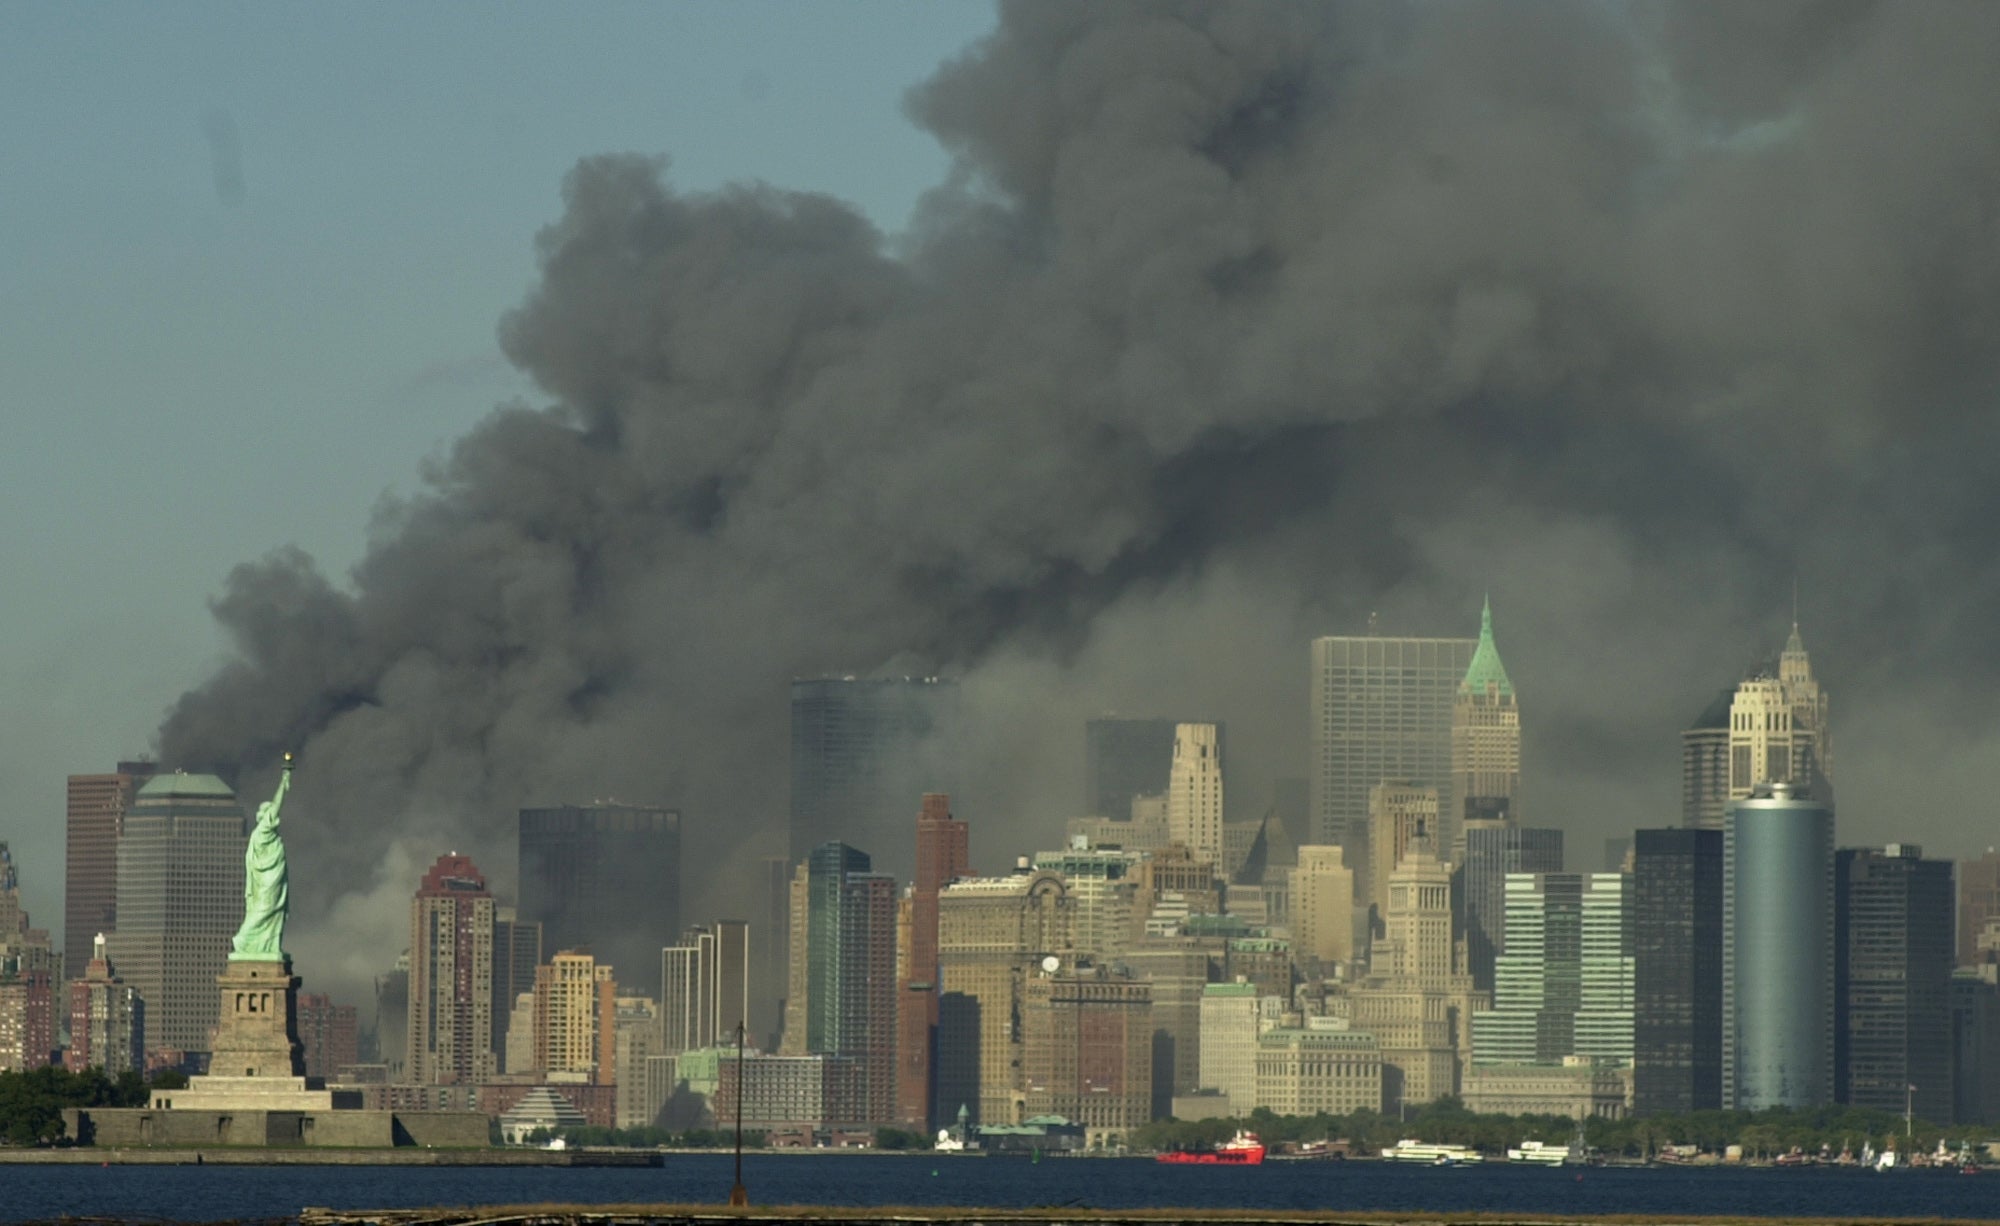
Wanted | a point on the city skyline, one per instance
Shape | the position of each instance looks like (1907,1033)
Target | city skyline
(1617,390)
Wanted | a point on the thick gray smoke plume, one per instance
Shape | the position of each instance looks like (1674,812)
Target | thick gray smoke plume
(1234,324)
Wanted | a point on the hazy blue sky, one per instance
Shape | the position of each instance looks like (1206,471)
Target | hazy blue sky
(251,262)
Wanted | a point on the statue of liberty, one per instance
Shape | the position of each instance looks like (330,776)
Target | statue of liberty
(266,889)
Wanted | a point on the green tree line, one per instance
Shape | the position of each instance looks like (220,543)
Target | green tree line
(1761,1134)
(32,1103)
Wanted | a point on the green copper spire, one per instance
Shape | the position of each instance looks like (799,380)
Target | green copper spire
(1486,668)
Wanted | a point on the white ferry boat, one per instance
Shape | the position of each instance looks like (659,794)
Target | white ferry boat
(1409,1150)
(1541,1153)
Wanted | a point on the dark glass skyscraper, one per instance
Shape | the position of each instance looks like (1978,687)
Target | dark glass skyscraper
(1677,938)
(864,751)
(1492,850)
(1893,934)
(851,972)
(1777,951)
(606,878)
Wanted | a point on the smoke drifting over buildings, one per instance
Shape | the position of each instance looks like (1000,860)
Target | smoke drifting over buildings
(1234,324)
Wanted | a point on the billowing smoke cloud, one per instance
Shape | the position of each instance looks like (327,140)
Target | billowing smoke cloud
(1235,324)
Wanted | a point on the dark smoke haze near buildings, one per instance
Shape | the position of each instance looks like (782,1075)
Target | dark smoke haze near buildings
(1234,325)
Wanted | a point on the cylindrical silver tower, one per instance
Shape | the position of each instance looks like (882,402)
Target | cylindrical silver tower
(1777,951)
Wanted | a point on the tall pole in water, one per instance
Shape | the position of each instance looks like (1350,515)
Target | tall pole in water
(738,1194)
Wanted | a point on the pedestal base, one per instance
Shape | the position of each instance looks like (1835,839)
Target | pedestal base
(257,1031)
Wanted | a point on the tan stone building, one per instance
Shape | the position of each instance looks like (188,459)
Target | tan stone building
(575,1019)
(1320,1067)
(1194,792)
(1322,907)
(1579,1088)
(1089,1050)
(1396,811)
(992,931)
(1418,998)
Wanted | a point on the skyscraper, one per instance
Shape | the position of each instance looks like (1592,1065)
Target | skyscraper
(95,816)
(517,951)
(1194,791)
(451,976)
(1892,980)
(1777,951)
(1397,810)
(329,1035)
(1127,758)
(992,931)
(1087,1049)
(107,1020)
(1563,986)
(606,877)
(1705,765)
(1778,728)
(1978,902)
(1677,951)
(1381,709)
(1417,1000)
(1485,742)
(575,1019)
(180,899)
(1323,907)
(705,987)
(943,856)
(851,971)
(1493,849)
(862,750)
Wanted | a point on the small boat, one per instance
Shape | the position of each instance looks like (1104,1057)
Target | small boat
(1539,1153)
(1243,1149)
(1410,1150)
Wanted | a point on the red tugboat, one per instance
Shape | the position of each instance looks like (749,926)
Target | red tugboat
(1243,1149)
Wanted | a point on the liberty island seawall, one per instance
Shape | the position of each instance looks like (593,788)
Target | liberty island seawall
(860,1182)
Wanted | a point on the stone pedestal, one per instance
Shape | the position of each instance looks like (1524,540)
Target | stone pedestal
(258,1063)
(257,1034)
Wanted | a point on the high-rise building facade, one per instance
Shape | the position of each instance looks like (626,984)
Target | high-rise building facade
(95,816)
(575,1019)
(1232,1016)
(107,1020)
(1705,765)
(1485,742)
(1493,849)
(607,878)
(1417,1000)
(1381,710)
(851,972)
(705,985)
(862,750)
(1677,986)
(180,900)
(1194,791)
(1322,905)
(329,1035)
(943,856)
(1777,951)
(1892,980)
(992,933)
(1563,986)
(1397,810)
(1088,1049)
(451,976)
(1978,902)
(517,951)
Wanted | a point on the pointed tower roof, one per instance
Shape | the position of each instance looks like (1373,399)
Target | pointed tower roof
(1486,667)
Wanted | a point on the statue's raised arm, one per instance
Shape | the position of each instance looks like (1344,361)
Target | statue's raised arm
(266,887)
